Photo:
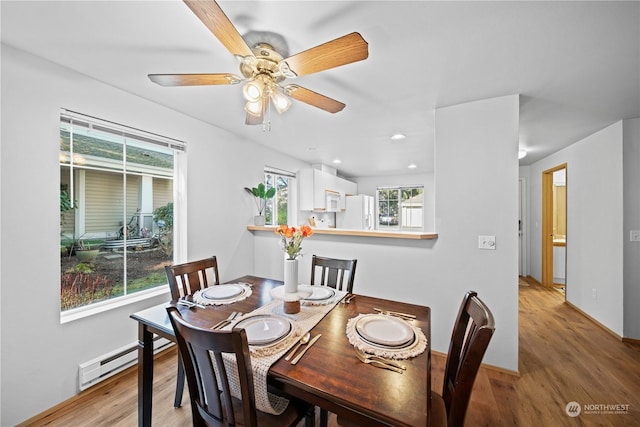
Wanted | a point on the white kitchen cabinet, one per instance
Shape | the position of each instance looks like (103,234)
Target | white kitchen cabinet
(313,185)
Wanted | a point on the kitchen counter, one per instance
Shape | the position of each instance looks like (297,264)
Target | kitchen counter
(415,235)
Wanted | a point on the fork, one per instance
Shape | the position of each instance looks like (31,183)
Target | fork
(378,364)
(405,316)
(226,321)
(379,359)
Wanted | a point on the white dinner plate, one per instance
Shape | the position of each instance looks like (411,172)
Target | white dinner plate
(223,292)
(264,329)
(385,330)
(320,293)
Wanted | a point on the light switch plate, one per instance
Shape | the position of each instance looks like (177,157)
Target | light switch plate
(634,236)
(487,242)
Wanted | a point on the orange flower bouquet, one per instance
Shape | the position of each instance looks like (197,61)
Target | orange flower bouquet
(292,238)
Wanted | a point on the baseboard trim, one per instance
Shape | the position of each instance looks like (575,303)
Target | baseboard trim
(485,365)
(40,419)
(605,328)
(631,341)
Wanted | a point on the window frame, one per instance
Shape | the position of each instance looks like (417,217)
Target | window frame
(399,226)
(74,120)
(273,204)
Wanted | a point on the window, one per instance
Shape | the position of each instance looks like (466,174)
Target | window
(116,209)
(400,208)
(276,210)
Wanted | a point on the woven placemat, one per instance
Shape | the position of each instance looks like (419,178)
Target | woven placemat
(418,346)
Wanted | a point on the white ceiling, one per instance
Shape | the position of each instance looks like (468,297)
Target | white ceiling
(575,64)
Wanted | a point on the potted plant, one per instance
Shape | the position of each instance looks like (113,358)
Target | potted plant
(261,195)
(163,217)
(85,253)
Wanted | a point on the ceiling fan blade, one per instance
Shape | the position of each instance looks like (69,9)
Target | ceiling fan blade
(194,79)
(341,51)
(313,98)
(217,22)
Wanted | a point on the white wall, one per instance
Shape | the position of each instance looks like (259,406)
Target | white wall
(476,193)
(368,185)
(631,167)
(594,224)
(40,356)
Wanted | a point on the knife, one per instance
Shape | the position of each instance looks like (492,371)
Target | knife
(395,313)
(190,304)
(304,350)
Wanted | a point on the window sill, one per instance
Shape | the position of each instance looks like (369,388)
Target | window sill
(361,233)
(100,307)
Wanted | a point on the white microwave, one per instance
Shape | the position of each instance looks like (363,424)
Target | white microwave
(332,201)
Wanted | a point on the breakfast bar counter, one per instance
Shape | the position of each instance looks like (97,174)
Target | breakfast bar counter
(413,235)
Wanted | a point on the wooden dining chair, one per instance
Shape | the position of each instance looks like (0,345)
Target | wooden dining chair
(332,272)
(338,274)
(210,393)
(185,279)
(472,332)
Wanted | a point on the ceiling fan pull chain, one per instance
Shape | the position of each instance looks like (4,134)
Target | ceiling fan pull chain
(266,121)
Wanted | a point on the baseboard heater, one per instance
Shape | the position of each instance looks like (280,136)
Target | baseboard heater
(107,365)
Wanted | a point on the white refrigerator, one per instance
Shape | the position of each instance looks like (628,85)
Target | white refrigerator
(358,214)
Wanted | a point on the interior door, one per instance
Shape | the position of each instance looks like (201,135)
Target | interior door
(548,215)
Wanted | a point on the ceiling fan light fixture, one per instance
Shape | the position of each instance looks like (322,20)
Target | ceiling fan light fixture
(254,108)
(280,100)
(252,90)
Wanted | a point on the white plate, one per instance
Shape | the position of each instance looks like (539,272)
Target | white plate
(264,328)
(320,293)
(385,330)
(404,347)
(223,292)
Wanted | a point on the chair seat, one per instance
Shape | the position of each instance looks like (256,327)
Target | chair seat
(294,412)
(438,412)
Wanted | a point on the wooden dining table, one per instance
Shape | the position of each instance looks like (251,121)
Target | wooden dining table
(329,375)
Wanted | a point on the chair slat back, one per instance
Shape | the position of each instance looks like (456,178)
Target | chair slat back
(185,279)
(210,392)
(472,332)
(336,273)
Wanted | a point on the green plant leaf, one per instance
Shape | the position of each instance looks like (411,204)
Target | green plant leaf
(270,193)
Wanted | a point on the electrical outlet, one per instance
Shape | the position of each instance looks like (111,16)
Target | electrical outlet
(634,236)
(487,242)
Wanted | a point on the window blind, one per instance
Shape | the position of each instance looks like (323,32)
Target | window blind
(76,119)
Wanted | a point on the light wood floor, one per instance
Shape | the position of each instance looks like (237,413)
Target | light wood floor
(564,357)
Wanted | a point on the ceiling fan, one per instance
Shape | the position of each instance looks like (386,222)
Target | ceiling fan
(264,68)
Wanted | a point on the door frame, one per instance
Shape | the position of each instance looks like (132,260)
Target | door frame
(523,264)
(547,223)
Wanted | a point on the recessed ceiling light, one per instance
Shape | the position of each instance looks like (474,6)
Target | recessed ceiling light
(521,154)
(337,161)
(412,166)
(398,137)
